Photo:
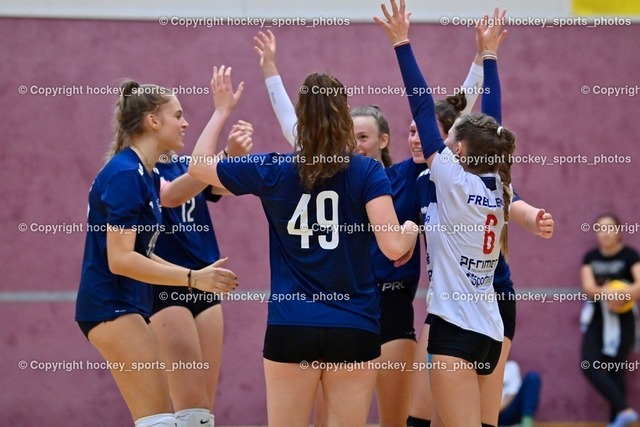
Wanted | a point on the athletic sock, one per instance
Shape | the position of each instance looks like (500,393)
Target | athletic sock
(417,422)
(157,420)
(195,417)
(526,422)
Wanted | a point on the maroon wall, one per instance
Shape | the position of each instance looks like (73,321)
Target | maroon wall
(52,147)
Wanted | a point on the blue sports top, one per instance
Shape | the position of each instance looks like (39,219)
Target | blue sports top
(124,198)
(319,241)
(402,177)
(188,239)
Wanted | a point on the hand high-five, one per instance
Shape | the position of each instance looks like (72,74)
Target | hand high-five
(488,32)
(224,98)
(397,24)
(265,47)
(240,140)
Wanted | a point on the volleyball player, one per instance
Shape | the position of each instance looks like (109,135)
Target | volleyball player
(533,219)
(114,299)
(324,305)
(189,325)
(464,338)
(397,284)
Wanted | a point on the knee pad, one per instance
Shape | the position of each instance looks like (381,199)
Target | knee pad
(195,417)
(157,420)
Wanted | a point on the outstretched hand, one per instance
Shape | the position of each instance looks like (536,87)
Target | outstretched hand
(216,279)
(489,33)
(265,47)
(224,98)
(397,23)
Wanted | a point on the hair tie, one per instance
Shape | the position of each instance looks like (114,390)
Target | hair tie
(499,130)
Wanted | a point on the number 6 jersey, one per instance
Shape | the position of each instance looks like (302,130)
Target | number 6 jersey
(463,228)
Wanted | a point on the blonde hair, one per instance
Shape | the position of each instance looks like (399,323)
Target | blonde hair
(135,102)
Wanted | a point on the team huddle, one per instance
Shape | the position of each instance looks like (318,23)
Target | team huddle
(342,239)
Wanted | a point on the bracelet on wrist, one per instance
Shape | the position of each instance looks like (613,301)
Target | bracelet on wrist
(489,54)
(400,43)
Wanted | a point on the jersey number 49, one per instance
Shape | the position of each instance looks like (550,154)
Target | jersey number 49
(329,241)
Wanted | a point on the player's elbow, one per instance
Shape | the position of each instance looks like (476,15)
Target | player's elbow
(197,170)
(116,266)
(169,200)
(393,248)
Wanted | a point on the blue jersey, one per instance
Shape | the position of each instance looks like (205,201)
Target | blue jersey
(188,239)
(319,241)
(402,177)
(123,197)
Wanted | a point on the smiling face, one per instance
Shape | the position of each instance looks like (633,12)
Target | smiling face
(369,140)
(170,125)
(414,144)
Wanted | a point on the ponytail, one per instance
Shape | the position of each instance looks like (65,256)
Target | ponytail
(134,103)
(486,139)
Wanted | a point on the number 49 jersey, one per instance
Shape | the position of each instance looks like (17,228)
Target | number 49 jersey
(319,241)
(463,230)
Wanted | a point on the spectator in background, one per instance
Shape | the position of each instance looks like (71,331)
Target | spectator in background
(520,396)
(609,327)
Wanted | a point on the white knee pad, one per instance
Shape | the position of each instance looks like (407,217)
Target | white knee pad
(157,420)
(195,417)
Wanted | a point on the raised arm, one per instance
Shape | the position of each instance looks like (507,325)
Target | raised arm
(420,99)
(185,187)
(475,79)
(203,166)
(265,46)
(473,83)
(489,38)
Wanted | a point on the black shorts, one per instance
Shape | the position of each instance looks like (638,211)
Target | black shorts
(396,310)
(450,340)
(295,344)
(507,308)
(195,301)
(87,326)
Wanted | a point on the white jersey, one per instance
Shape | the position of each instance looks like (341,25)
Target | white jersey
(463,229)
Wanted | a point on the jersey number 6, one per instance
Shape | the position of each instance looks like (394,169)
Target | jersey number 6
(489,236)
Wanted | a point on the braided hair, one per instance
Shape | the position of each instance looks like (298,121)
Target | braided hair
(490,148)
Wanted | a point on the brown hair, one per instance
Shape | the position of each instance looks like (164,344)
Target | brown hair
(449,109)
(383,127)
(491,147)
(609,215)
(135,102)
(324,129)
